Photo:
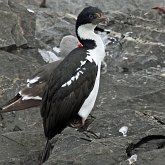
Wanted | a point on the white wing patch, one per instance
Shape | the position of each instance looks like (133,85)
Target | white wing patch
(31,98)
(26,97)
(63,85)
(79,71)
(32,81)
(82,63)
(73,79)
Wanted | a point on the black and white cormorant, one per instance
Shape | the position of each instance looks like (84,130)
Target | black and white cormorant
(71,91)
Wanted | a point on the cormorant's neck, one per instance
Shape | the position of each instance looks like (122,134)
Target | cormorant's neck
(85,34)
(92,41)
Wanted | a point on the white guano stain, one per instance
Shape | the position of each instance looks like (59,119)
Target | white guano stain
(132,159)
(124,130)
(29,10)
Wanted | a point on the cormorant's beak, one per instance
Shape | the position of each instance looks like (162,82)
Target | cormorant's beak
(100,18)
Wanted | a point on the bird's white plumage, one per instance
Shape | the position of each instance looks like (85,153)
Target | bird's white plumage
(89,58)
(90,101)
(26,97)
(97,55)
(86,31)
(82,62)
(69,82)
(32,81)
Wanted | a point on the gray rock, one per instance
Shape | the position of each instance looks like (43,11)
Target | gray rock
(131,92)
(51,27)
(30,2)
(20,143)
(17,26)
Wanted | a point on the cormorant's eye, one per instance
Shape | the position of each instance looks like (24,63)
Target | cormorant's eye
(91,16)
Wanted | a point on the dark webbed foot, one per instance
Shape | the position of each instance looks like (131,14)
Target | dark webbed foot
(76,123)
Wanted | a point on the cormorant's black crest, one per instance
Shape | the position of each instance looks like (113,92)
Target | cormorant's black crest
(88,15)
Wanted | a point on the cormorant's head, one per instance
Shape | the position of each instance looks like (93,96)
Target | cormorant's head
(86,22)
(90,15)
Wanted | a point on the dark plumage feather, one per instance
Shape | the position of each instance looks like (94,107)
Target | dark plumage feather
(61,104)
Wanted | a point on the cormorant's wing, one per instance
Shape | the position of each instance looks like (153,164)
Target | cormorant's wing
(67,89)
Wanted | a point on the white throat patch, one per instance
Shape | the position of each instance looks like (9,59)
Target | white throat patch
(86,32)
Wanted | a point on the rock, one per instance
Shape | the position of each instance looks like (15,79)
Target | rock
(51,27)
(43,3)
(146,144)
(95,151)
(131,91)
(16,69)
(17,26)
(30,2)
(19,144)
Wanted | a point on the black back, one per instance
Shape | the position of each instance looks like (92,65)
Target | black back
(60,105)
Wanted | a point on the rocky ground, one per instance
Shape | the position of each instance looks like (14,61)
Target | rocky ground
(132,90)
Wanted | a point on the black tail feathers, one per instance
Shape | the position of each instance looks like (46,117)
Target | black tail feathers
(46,152)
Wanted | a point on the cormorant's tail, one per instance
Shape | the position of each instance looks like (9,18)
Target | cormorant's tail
(47,151)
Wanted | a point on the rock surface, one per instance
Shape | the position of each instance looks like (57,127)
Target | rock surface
(17,26)
(132,90)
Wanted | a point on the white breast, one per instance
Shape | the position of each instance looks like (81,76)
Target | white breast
(90,101)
